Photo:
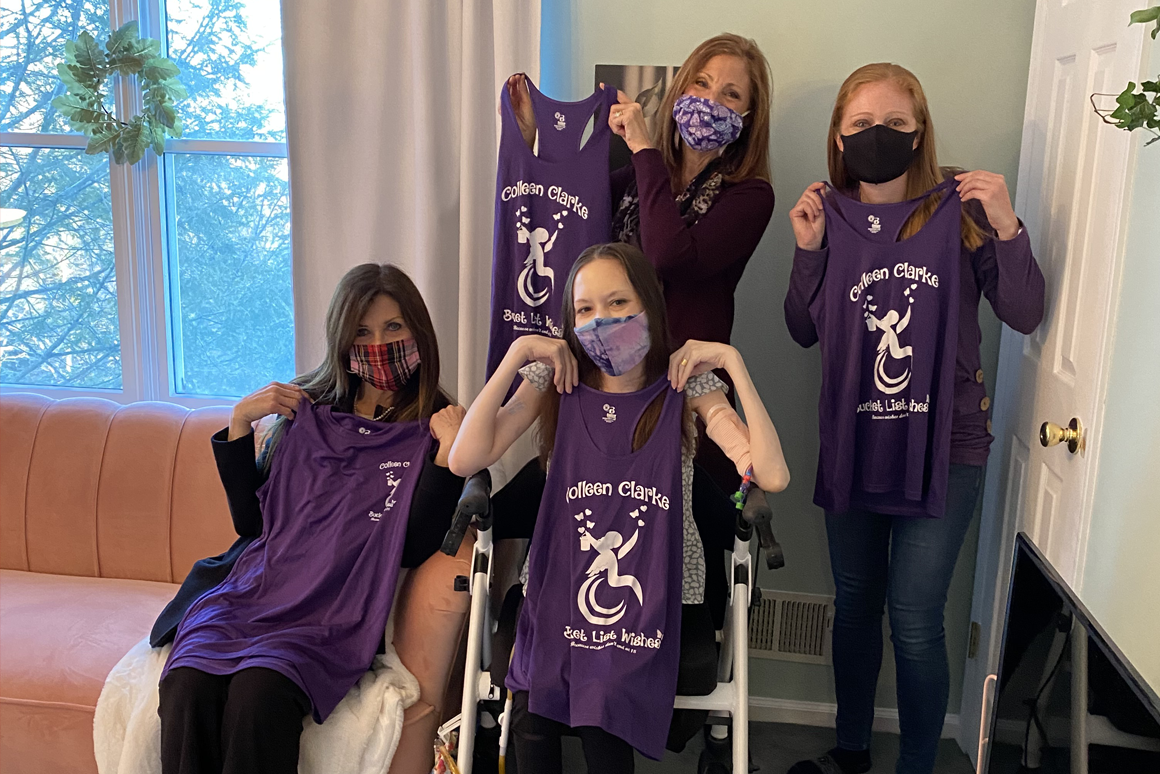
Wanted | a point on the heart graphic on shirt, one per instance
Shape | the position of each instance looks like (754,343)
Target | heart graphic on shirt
(580,530)
(641,523)
(587,512)
(644,507)
(590,524)
(914,287)
(579,517)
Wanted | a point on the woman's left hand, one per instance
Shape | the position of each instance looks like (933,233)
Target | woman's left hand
(444,427)
(991,191)
(697,357)
(626,118)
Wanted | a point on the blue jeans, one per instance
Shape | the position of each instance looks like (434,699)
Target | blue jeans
(908,562)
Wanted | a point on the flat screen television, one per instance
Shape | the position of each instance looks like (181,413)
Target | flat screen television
(1067,700)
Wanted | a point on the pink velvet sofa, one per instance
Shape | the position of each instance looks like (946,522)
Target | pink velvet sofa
(103,510)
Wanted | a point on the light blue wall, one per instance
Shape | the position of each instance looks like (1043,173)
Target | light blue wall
(972,59)
(1121,583)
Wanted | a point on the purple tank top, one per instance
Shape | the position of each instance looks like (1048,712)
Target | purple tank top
(598,640)
(887,321)
(310,597)
(549,208)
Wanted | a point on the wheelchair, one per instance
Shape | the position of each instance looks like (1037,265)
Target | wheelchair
(727,704)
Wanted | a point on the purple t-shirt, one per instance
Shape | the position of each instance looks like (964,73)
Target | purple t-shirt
(598,640)
(310,597)
(549,208)
(887,323)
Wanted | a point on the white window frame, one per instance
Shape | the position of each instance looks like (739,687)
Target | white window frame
(143,236)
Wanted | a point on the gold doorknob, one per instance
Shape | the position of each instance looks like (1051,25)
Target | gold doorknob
(1051,434)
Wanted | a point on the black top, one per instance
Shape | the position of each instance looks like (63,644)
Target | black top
(432,508)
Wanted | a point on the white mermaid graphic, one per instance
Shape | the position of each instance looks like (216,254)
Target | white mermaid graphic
(539,242)
(605,567)
(891,324)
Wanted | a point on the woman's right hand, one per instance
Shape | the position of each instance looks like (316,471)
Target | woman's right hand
(274,398)
(521,100)
(809,219)
(553,353)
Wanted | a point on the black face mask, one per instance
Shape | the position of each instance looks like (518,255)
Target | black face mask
(878,154)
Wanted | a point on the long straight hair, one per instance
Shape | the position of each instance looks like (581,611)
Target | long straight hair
(643,278)
(746,157)
(924,172)
(332,383)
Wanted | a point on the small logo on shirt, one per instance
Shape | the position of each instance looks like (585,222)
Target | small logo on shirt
(560,124)
(364,431)
(610,413)
(875,225)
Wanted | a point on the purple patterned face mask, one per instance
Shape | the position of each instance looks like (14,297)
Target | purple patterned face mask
(615,344)
(706,125)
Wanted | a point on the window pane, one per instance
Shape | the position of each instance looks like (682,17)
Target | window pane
(32,38)
(58,292)
(230,55)
(230,285)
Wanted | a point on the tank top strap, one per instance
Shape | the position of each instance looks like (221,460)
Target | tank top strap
(561,125)
(884,222)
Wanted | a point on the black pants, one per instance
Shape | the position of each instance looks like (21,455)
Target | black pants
(249,722)
(537,741)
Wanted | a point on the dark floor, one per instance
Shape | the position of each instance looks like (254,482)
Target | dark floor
(776,747)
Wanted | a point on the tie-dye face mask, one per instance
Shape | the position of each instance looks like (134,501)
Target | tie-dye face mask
(706,125)
(615,344)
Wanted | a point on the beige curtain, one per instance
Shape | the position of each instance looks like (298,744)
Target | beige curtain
(393,132)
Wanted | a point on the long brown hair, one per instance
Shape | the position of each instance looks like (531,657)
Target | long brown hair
(643,278)
(332,383)
(748,156)
(924,172)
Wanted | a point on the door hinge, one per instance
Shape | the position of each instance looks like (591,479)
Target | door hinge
(973,645)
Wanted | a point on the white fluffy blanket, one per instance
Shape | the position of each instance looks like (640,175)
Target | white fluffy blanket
(359,737)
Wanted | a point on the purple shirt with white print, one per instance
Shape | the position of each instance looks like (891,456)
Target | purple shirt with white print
(1005,271)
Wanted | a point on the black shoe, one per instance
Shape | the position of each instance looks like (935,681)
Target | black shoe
(836,761)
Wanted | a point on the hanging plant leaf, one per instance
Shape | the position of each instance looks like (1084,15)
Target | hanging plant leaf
(1145,16)
(101,143)
(160,69)
(136,139)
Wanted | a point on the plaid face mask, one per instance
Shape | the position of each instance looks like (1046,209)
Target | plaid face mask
(386,366)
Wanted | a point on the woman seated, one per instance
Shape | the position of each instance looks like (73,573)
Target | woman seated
(615,552)
(352,484)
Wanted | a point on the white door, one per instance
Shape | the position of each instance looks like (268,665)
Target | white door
(1074,177)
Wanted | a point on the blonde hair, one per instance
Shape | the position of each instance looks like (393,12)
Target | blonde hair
(748,156)
(924,172)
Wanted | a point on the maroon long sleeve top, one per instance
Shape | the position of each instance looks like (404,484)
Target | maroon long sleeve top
(699,265)
(1004,271)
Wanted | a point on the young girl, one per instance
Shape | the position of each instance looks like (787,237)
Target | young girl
(887,276)
(350,487)
(615,551)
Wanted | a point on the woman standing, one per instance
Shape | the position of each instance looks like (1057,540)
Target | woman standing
(887,276)
(696,198)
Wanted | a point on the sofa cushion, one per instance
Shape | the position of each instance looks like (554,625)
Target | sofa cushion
(60,637)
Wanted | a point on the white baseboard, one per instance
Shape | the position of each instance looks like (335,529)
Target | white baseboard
(816,713)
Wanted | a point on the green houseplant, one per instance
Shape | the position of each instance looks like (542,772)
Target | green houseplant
(86,71)
(1137,109)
